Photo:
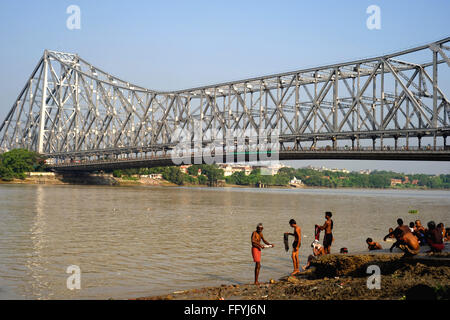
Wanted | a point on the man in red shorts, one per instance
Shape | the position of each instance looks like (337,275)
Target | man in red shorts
(257,236)
(434,237)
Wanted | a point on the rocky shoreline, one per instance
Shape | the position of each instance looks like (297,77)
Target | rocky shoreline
(343,277)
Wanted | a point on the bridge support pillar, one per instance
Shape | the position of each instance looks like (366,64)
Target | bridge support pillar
(353,144)
(445,141)
(419,141)
(395,142)
(373,143)
(434,141)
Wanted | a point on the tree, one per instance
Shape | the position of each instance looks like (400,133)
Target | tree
(14,163)
(213,173)
(117,173)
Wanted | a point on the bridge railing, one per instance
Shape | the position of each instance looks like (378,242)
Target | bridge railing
(365,149)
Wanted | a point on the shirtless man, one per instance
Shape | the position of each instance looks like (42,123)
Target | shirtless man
(328,227)
(397,233)
(406,240)
(409,244)
(434,237)
(295,245)
(257,236)
(391,233)
(419,232)
(372,245)
(419,227)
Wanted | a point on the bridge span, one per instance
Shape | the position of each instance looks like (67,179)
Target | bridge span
(390,107)
(240,157)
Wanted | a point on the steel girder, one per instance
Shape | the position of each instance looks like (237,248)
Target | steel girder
(70,107)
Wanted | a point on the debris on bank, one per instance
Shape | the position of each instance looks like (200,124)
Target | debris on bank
(343,277)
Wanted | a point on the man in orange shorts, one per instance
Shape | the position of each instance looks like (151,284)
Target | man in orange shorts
(257,236)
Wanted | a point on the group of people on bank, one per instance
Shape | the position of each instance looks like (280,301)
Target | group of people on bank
(317,248)
(410,238)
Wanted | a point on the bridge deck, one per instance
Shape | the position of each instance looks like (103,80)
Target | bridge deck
(148,162)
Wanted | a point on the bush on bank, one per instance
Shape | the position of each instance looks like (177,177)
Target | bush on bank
(15,163)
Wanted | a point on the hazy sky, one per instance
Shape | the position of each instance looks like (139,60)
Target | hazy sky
(181,44)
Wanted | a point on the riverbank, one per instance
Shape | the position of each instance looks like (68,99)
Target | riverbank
(109,179)
(343,277)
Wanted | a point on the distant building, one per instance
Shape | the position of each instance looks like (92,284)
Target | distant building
(271,169)
(328,169)
(184,168)
(229,169)
(40,174)
(296,181)
(339,170)
(395,182)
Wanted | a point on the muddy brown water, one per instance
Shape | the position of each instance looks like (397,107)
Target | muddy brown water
(141,241)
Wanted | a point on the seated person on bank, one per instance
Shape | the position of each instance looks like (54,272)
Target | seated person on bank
(409,244)
(372,245)
(434,237)
(318,250)
(419,232)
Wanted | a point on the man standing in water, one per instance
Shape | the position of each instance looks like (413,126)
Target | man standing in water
(328,227)
(257,236)
(295,245)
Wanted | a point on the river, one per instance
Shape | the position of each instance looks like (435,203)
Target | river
(140,241)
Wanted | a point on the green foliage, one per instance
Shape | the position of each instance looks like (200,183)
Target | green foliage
(329,179)
(210,174)
(255,178)
(15,163)
(202,179)
(131,178)
(117,173)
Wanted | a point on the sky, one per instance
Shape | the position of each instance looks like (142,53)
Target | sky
(168,45)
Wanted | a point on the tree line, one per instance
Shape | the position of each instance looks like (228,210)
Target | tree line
(211,174)
(15,163)
(376,179)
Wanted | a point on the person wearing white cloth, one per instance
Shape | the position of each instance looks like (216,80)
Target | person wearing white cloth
(318,250)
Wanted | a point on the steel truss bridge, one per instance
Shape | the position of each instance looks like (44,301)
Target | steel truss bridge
(377,108)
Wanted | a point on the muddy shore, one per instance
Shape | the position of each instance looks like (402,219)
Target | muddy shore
(343,277)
